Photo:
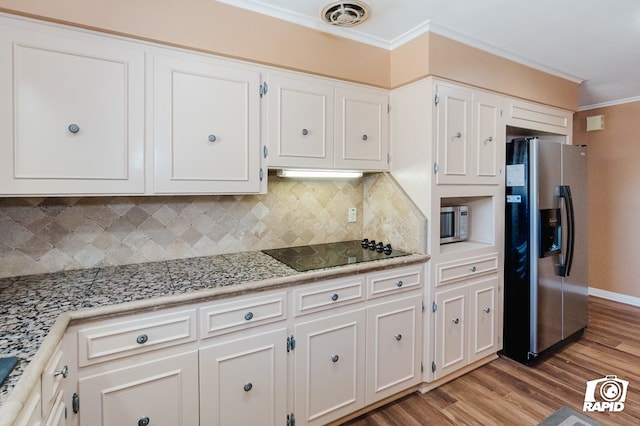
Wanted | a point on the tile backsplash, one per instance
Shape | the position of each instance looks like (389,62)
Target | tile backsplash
(40,235)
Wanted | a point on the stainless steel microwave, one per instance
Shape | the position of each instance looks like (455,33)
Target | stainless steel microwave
(454,224)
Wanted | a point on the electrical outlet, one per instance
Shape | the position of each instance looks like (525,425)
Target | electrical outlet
(353,214)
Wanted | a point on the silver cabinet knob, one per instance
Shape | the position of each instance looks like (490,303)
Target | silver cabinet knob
(334,358)
(365,137)
(399,283)
(142,339)
(473,269)
(64,372)
(212,138)
(458,135)
(334,297)
(73,128)
(486,310)
(398,337)
(144,421)
(305,132)
(247,387)
(456,321)
(248,316)
(490,139)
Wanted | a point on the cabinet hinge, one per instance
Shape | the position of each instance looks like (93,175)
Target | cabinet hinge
(265,151)
(291,420)
(75,403)
(433,367)
(261,174)
(264,88)
(434,307)
(436,100)
(423,307)
(421,367)
(291,343)
(388,108)
(435,168)
(388,158)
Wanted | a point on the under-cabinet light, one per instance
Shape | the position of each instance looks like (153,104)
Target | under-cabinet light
(330,174)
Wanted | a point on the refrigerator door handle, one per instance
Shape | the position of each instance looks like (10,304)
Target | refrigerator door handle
(564,191)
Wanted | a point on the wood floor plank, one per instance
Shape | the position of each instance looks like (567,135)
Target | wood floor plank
(505,392)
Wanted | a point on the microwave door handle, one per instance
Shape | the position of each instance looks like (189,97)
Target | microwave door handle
(565,193)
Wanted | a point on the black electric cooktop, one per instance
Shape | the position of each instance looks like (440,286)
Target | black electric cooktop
(318,256)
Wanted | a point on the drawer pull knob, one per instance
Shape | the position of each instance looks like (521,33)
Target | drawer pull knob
(64,372)
(334,297)
(456,321)
(144,421)
(142,339)
(212,138)
(473,269)
(334,358)
(365,137)
(305,132)
(399,283)
(247,387)
(458,135)
(248,316)
(73,128)
(486,310)
(398,337)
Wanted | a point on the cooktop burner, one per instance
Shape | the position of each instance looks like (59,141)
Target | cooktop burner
(318,256)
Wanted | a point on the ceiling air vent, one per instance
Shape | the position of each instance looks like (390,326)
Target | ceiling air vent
(346,14)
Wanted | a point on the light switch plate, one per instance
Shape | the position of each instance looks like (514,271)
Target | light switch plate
(353,214)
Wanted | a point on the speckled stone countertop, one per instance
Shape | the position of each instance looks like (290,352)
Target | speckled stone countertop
(36,309)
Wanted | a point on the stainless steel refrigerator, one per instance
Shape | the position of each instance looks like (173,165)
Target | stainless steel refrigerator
(545,283)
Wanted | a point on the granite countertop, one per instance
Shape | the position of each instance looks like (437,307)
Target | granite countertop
(37,306)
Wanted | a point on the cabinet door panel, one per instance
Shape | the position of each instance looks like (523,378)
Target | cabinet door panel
(489,139)
(75,104)
(483,306)
(206,130)
(244,381)
(453,134)
(329,365)
(300,121)
(394,330)
(162,390)
(361,134)
(451,332)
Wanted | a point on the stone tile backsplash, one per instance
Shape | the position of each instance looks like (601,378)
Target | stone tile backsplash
(40,235)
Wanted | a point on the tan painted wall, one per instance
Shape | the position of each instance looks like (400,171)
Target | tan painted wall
(213,27)
(221,29)
(456,61)
(614,199)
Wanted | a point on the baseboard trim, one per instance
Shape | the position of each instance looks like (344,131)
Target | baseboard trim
(616,297)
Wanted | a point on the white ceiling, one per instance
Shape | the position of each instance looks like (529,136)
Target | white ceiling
(594,42)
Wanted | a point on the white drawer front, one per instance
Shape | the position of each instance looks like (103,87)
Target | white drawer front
(116,339)
(394,281)
(328,294)
(459,270)
(242,312)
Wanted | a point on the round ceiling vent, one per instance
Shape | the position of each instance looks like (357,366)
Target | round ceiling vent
(346,13)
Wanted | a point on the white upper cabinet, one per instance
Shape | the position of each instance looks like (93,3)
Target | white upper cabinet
(71,112)
(206,133)
(299,122)
(470,142)
(361,128)
(321,124)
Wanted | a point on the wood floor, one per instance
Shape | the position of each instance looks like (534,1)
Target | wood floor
(507,393)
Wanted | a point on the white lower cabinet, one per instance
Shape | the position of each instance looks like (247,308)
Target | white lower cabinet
(465,324)
(329,367)
(243,381)
(394,332)
(159,392)
(31,414)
